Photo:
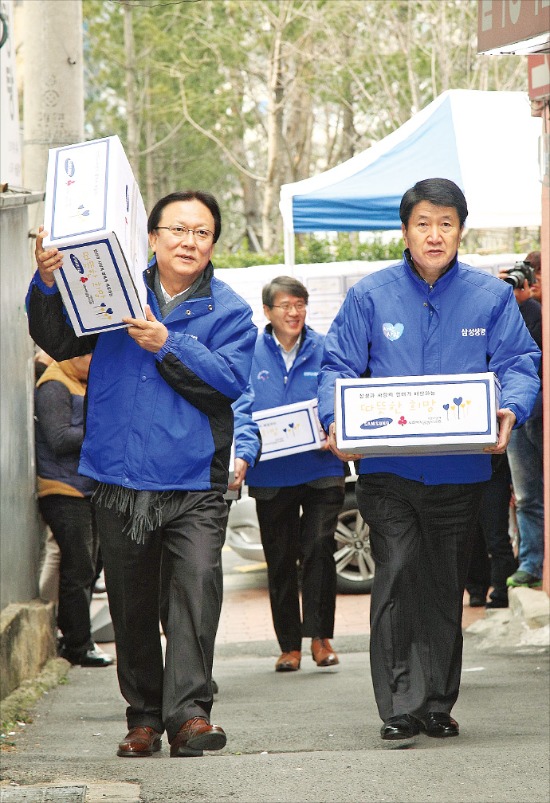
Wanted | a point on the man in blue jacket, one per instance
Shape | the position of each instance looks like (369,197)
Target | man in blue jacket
(159,428)
(428,315)
(298,497)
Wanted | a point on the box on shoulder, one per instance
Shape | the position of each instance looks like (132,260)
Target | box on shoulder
(408,415)
(289,429)
(95,216)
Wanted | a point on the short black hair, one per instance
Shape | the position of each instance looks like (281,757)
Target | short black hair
(187,195)
(283,284)
(439,192)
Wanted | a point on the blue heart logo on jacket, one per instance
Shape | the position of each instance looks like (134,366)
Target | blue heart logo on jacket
(392,331)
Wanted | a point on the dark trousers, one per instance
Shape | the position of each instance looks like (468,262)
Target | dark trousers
(189,544)
(421,539)
(288,536)
(493,559)
(70,518)
(479,571)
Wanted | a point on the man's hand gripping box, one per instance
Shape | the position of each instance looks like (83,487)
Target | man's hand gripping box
(440,414)
(289,429)
(95,216)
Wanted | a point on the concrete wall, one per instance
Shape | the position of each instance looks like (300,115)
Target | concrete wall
(19,523)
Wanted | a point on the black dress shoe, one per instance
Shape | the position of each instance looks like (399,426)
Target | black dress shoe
(93,657)
(402,726)
(477,601)
(96,657)
(440,725)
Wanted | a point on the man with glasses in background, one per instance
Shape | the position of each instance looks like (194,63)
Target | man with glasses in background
(159,428)
(298,496)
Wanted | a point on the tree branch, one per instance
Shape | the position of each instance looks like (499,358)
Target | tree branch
(215,139)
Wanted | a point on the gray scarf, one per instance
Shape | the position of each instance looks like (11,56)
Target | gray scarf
(143,508)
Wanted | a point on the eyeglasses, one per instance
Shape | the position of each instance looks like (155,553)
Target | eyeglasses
(181,232)
(299,306)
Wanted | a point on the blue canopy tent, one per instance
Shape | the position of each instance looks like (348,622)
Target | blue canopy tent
(487,142)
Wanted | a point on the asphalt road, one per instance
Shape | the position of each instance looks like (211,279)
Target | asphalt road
(308,736)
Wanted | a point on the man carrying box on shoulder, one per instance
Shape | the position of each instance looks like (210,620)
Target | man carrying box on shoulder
(286,362)
(159,427)
(428,315)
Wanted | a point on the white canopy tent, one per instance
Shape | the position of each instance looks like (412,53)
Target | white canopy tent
(487,142)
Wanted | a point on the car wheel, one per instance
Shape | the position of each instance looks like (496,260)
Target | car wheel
(243,531)
(354,561)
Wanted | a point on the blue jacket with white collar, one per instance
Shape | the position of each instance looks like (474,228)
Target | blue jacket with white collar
(274,386)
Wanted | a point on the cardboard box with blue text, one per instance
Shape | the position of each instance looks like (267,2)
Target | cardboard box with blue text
(95,216)
(289,429)
(440,414)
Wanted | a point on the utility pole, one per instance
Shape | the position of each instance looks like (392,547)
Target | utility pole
(53,87)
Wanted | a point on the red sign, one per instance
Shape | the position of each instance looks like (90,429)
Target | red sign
(539,76)
(513,26)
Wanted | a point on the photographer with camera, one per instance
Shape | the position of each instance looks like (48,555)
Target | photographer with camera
(525,446)
(533,259)
(522,278)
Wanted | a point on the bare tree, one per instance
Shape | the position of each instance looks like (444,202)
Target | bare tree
(241,96)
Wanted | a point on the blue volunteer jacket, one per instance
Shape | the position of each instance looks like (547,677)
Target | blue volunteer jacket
(273,386)
(393,323)
(158,421)
(248,443)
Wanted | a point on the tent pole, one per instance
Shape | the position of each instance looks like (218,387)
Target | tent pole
(289,250)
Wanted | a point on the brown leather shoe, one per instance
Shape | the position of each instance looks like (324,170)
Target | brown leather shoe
(322,652)
(140,742)
(197,735)
(288,661)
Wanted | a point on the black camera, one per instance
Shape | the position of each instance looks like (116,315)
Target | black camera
(516,276)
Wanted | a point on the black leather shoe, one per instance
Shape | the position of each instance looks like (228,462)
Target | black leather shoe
(96,657)
(440,725)
(93,657)
(402,726)
(477,601)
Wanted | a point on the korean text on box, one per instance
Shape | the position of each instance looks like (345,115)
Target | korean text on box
(289,429)
(440,414)
(95,216)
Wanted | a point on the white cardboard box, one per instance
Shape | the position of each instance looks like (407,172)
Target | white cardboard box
(289,429)
(94,214)
(440,414)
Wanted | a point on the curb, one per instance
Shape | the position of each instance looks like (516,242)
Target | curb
(27,642)
(15,708)
(524,624)
(532,605)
